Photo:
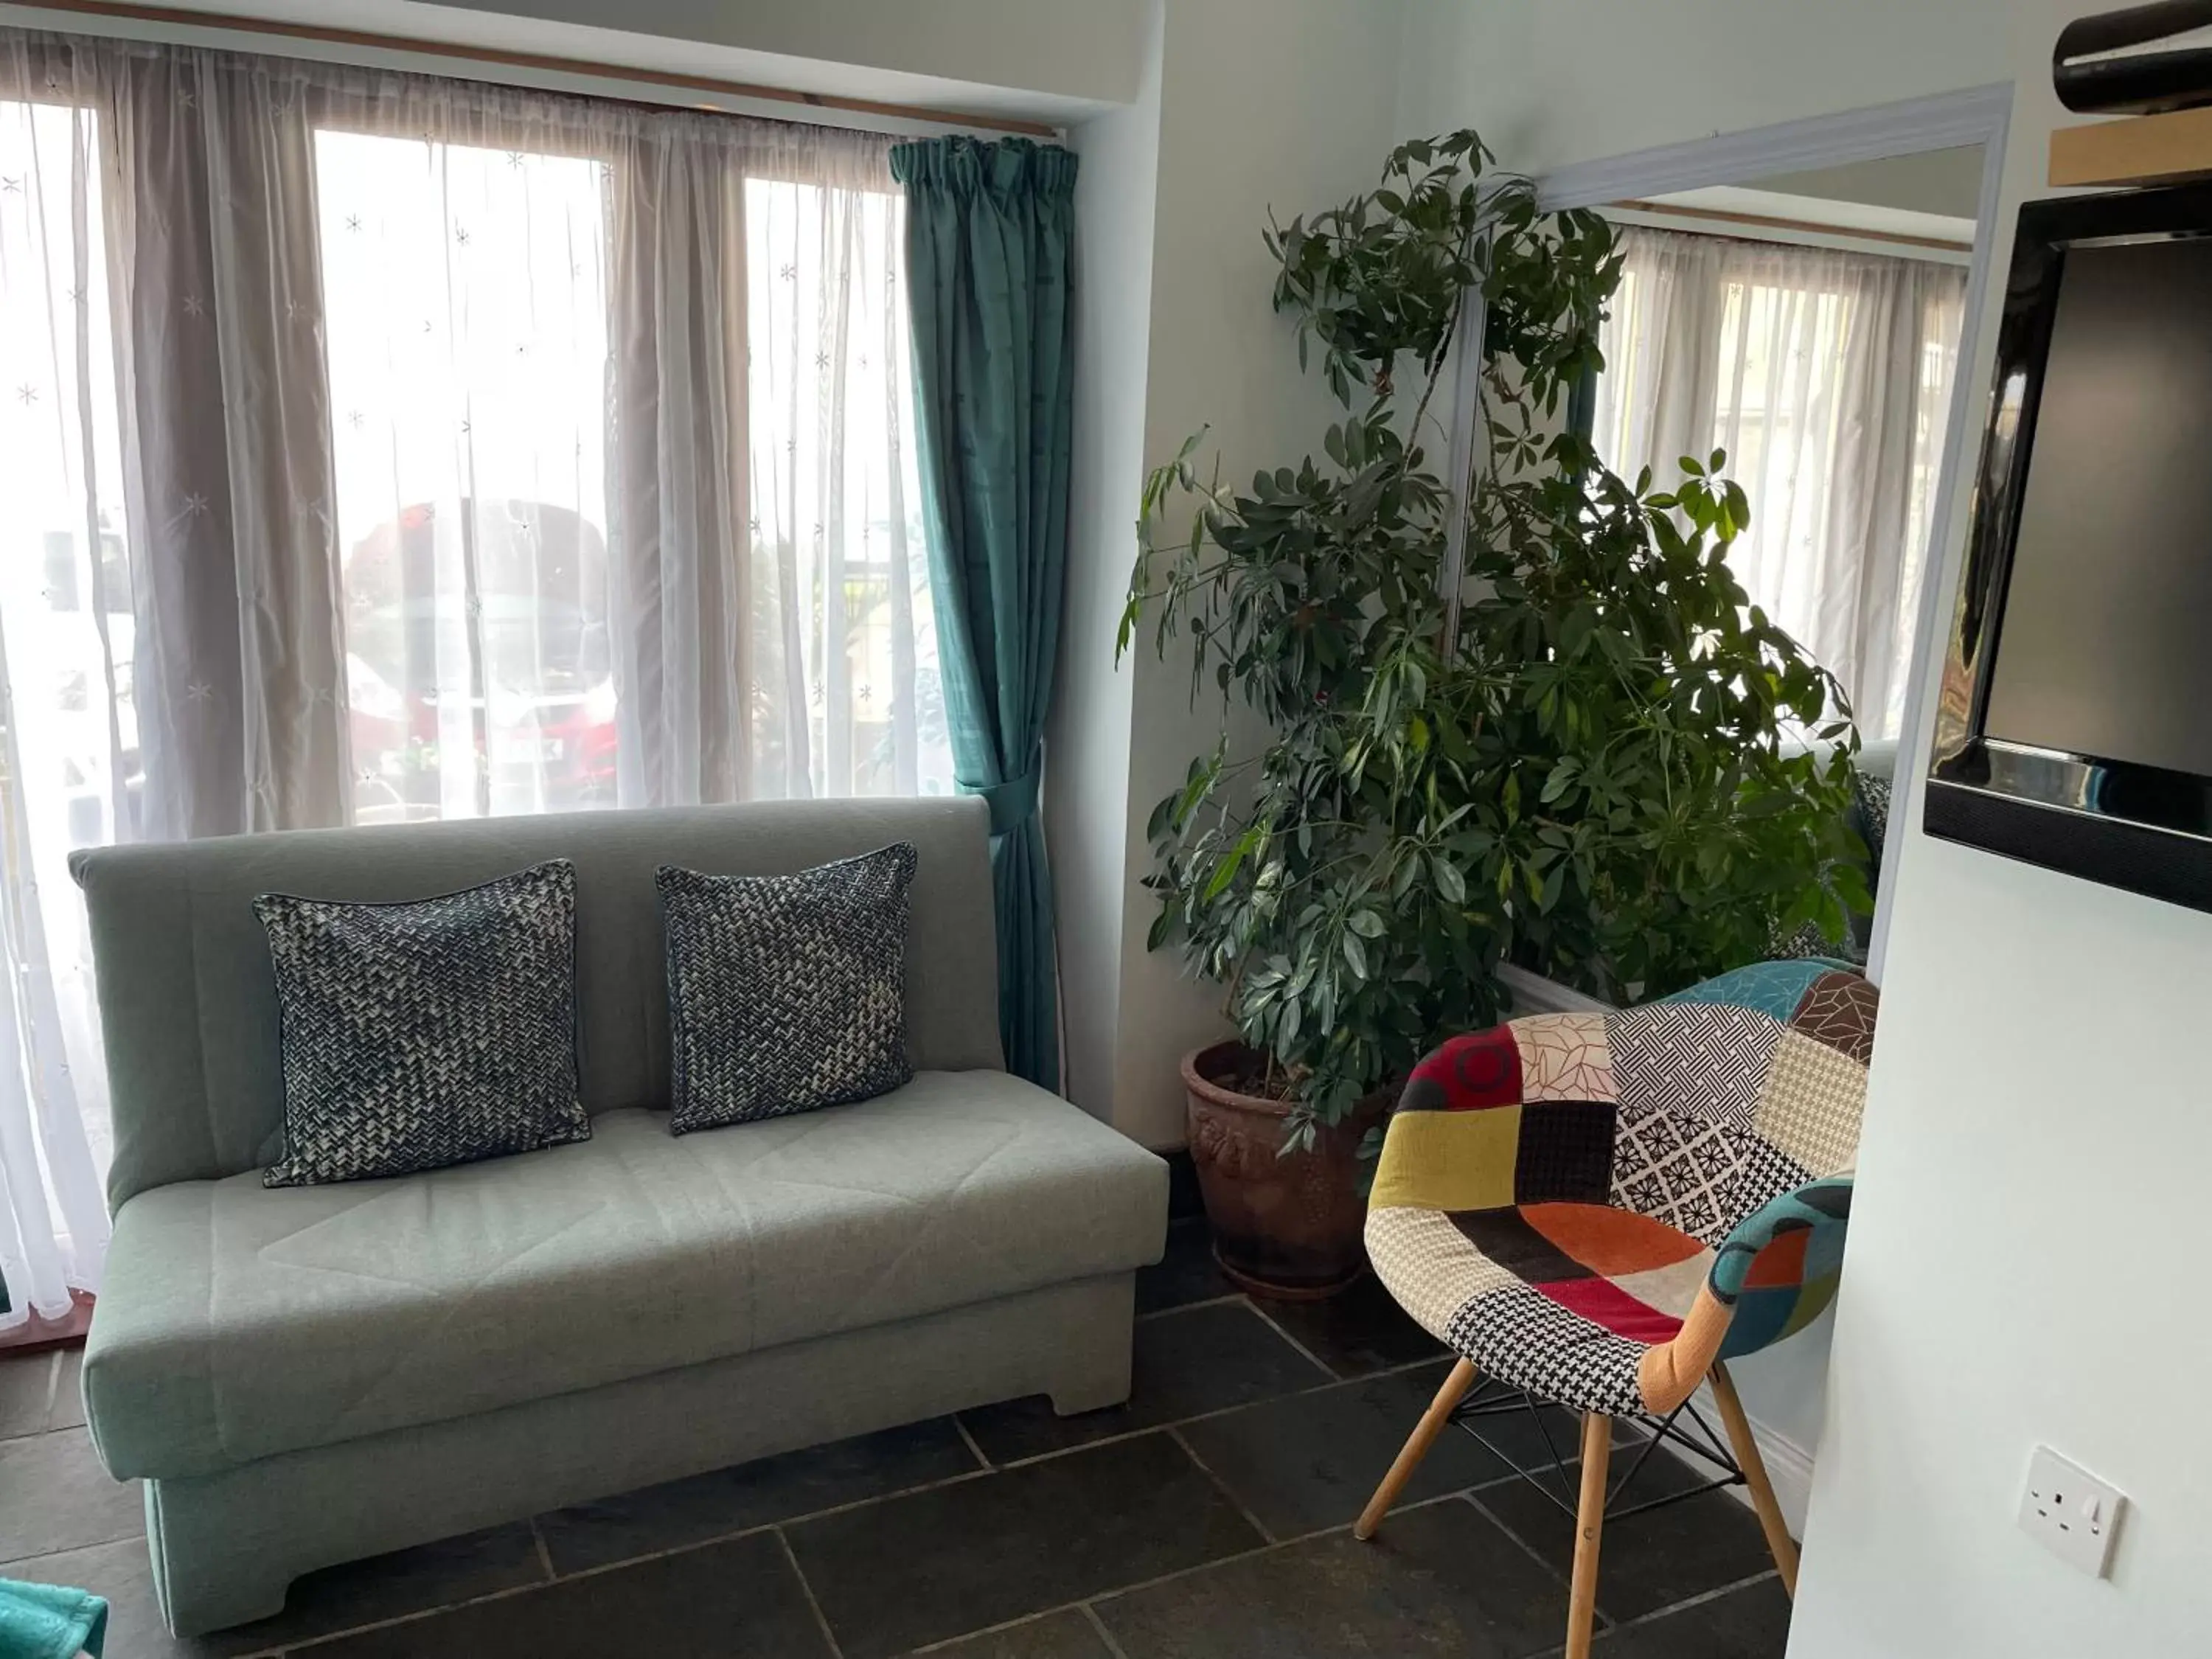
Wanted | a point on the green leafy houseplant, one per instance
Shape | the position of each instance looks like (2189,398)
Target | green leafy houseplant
(1575,755)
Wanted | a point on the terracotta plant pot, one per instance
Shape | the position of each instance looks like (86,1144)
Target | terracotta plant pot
(1286,1227)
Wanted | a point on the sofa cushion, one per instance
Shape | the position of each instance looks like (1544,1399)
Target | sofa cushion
(241,1321)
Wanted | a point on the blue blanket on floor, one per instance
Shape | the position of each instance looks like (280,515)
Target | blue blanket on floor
(43,1621)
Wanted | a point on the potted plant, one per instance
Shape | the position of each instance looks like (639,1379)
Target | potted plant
(1568,751)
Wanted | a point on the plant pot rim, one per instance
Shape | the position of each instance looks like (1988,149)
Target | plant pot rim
(1213,1094)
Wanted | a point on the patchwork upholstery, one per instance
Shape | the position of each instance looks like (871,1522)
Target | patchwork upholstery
(1596,1206)
(266,1321)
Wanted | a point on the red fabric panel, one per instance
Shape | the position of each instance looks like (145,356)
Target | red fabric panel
(1782,1263)
(1604,1303)
(1468,1073)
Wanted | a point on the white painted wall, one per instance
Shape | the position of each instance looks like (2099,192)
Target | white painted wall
(1086,48)
(1944,181)
(1054,61)
(1088,736)
(2021,1266)
(1280,102)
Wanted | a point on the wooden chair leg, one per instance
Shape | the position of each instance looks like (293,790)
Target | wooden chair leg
(1589,1525)
(1754,1477)
(1415,1449)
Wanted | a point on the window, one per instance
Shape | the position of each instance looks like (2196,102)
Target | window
(466,320)
(69,774)
(849,699)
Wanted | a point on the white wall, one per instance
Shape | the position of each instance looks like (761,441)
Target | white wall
(1280,102)
(1053,61)
(1943,182)
(1085,48)
(1088,737)
(2021,1266)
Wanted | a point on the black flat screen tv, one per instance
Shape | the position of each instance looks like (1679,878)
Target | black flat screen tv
(2075,730)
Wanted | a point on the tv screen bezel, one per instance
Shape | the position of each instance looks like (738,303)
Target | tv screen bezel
(2114,821)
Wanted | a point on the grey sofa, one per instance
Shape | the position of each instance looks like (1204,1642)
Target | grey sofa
(309,1374)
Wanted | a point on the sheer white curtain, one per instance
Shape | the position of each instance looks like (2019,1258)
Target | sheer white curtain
(622,493)
(381,448)
(68,734)
(1825,376)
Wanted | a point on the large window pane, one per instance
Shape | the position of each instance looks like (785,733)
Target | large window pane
(70,772)
(847,698)
(466,328)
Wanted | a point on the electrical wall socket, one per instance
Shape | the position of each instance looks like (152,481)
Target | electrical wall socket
(2070,1512)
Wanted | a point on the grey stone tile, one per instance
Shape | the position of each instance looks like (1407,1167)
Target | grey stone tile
(55,1496)
(737,1599)
(1185,1200)
(1066,1635)
(1186,1363)
(1647,1561)
(1530,1439)
(1751,1623)
(1186,1274)
(69,1391)
(1311,1460)
(1357,1331)
(706,1506)
(393,1586)
(1438,1580)
(121,1574)
(938,1564)
(26,1383)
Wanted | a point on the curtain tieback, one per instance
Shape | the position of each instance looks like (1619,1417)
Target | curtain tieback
(1011,803)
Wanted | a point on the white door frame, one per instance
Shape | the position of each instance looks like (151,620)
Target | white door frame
(1979,115)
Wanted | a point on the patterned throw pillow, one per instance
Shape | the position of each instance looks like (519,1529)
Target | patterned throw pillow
(434,1031)
(786,993)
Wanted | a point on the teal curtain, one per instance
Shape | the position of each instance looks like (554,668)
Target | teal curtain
(988,234)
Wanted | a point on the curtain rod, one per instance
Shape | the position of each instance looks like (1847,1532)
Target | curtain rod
(1675,210)
(127,11)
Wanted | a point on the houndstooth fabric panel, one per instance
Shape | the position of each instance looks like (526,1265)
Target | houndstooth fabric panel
(786,992)
(417,1035)
(1812,1104)
(1521,1337)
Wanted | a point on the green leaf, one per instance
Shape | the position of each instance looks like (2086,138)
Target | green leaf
(1355,955)
(1451,885)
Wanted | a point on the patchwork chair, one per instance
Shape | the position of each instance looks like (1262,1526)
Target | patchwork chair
(1602,1209)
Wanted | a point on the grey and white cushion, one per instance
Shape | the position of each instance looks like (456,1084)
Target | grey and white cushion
(430,1032)
(786,993)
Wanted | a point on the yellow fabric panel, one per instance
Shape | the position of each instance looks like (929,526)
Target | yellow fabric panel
(1449,1160)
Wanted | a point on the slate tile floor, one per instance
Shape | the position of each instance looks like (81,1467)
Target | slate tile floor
(1206,1519)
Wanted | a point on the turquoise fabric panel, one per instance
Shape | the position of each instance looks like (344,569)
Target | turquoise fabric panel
(1765,1314)
(45,1621)
(1774,988)
(989,234)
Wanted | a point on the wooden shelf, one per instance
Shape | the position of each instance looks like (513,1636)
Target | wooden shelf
(2138,149)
